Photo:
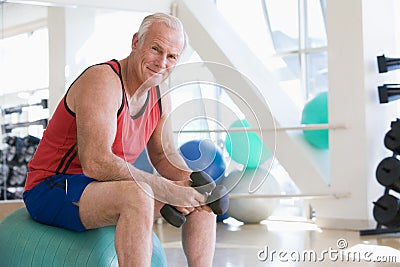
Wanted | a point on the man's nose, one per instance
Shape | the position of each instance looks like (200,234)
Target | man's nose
(162,61)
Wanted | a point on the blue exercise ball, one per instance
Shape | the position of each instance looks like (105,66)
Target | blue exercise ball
(204,155)
(315,111)
(246,147)
(143,162)
(24,242)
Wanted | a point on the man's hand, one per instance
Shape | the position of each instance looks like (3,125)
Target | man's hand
(187,210)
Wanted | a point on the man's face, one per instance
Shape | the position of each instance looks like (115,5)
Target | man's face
(158,53)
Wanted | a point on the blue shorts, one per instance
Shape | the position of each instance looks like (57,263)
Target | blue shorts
(52,200)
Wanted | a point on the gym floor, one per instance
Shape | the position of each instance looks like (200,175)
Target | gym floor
(287,243)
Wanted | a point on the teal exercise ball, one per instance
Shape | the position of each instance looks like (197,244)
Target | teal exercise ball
(24,242)
(204,155)
(315,111)
(246,147)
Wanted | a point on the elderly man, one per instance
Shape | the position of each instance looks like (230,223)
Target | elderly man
(81,176)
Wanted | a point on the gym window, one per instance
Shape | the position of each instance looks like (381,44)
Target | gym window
(289,37)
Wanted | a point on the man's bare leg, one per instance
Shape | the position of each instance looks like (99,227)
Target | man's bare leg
(130,208)
(198,238)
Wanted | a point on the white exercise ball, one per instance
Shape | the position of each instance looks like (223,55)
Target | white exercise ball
(252,182)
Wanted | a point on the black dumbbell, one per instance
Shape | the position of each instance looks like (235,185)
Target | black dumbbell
(30,140)
(392,140)
(217,200)
(388,173)
(386,64)
(387,211)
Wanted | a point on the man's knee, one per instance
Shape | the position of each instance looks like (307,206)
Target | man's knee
(137,202)
(130,192)
(103,203)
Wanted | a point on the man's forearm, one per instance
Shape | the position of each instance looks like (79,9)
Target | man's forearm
(113,168)
(173,168)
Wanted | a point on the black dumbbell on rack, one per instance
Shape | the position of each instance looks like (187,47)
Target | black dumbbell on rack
(392,137)
(386,64)
(387,211)
(388,173)
(388,92)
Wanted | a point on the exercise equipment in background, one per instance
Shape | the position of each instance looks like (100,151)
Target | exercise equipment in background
(8,127)
(18,109)
(388,92)
(392,137)
(246,147)
(143,162)
(15,157)
(386,64)
(388,173)
(386,210)
(204,155)
(315,111)
(24,242)
(17,150)
(252,209)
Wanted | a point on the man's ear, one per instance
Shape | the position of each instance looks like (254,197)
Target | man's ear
(135,41)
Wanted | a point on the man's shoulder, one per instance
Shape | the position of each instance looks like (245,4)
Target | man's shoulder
(102,73)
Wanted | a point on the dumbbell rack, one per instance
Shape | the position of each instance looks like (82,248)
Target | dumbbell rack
(16,152)
(387,208)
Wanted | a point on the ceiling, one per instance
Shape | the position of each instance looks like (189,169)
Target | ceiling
(19,18)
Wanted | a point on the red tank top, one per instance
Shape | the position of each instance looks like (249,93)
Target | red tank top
(57,150)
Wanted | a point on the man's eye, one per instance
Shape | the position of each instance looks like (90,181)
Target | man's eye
(155,48)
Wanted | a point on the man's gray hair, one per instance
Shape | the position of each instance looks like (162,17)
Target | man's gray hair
(171,21)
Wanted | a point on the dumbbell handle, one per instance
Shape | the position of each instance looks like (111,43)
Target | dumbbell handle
(202,183)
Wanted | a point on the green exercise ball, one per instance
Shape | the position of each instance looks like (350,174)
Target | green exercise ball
(246,147)
(24,242)
(315,111)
